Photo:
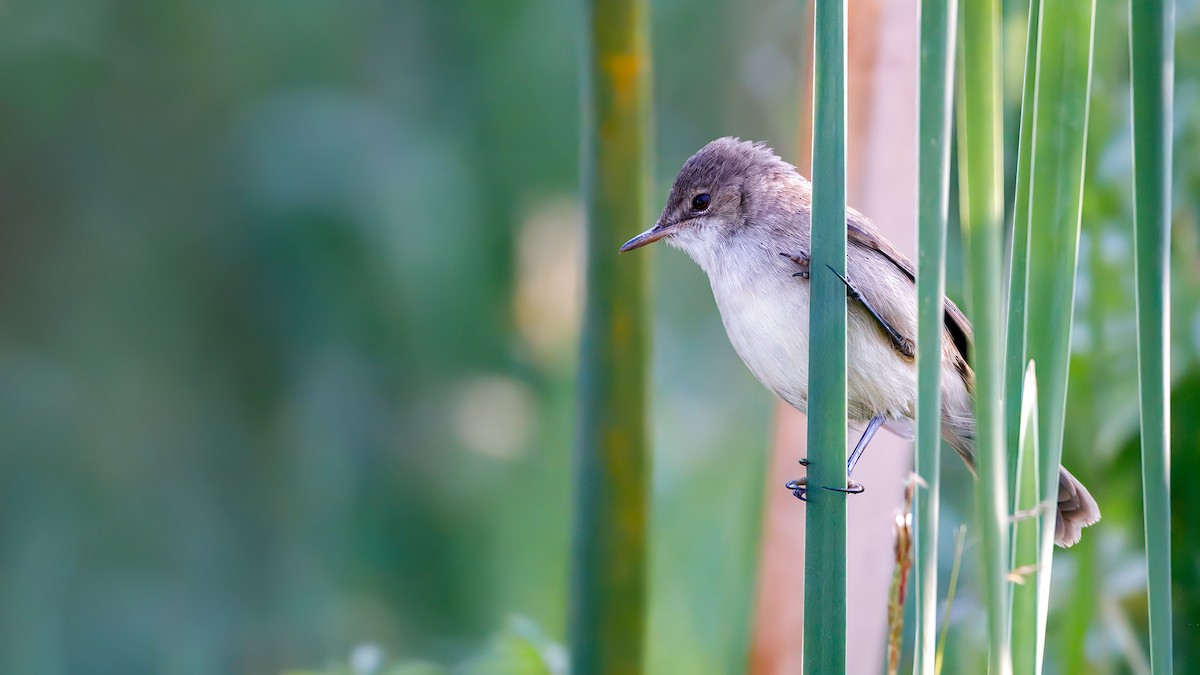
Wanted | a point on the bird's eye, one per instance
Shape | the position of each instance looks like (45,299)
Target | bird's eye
(700,201)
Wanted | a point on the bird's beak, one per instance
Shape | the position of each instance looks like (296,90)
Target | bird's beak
(648,237)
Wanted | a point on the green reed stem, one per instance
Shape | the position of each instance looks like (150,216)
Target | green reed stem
(935,95)
(607,597)
(981,179)
(825,531)
(1014,348)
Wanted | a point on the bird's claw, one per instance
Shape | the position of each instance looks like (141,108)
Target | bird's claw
(801,260)
(851,488)
(799,488)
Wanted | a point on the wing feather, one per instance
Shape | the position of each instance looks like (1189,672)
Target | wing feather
(861,232)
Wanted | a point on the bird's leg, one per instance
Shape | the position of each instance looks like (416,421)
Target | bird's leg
(801,260)
(799,487)
(856,454)
(868,434)
(900,343)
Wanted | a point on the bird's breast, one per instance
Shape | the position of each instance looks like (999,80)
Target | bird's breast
(767,324)
(767,319)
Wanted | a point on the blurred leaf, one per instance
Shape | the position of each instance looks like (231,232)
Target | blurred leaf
(1152,54)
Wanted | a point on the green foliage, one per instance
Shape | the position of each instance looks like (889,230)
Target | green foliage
(1046,235)
(519,649)
(1057,158)
(1185,505)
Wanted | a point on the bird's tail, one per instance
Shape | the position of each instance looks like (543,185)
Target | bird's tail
(1075,508)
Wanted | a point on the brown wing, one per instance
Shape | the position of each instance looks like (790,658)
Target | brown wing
(860,231)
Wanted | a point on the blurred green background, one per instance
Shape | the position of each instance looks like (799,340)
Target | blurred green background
(288,314)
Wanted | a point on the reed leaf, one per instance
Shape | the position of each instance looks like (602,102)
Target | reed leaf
(1014,348)
(1055,187)
(981,197)
(607,598)
(1152,46)
(1032,516)
(960,541)
(825,529)
(935,96)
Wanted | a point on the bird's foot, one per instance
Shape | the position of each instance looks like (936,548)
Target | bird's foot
(799,487)
(851,488)
(801,261)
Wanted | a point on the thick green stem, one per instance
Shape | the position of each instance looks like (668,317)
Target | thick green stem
(607,611)
(825,530)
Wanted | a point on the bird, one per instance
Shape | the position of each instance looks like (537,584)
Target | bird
(743,215)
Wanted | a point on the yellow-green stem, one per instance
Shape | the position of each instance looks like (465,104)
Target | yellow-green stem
(607,603)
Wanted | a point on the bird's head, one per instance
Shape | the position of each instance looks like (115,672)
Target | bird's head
(719,191)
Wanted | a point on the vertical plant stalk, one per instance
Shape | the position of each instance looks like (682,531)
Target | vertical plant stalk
(1028,614)
(1058,150)
(607,601)
(960,539)
(981,177)
(939,23)
(825,529)
(899,588)
(1024,460)
(1152,58)
(1014,347)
